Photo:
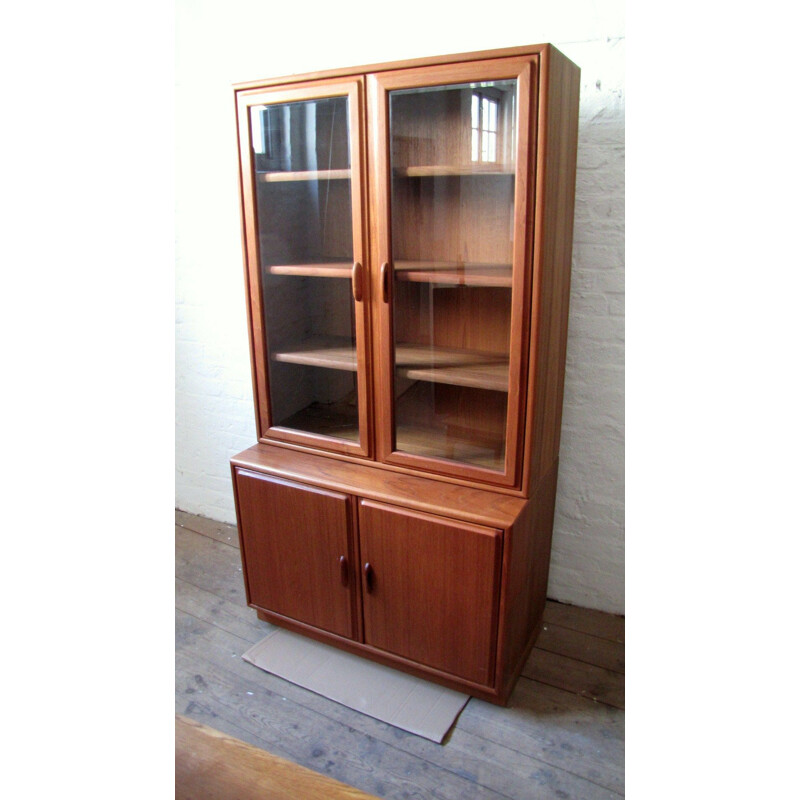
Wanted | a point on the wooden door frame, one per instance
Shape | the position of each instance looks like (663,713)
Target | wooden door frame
(525,70)
(353,88)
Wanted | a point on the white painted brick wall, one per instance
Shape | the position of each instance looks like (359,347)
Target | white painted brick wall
(213,391)
(587,566)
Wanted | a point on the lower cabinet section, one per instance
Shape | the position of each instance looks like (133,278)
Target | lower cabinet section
(447,598)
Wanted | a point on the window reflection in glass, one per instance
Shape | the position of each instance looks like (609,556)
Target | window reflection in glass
(484,128)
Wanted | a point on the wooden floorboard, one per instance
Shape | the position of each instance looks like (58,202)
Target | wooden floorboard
(588,680)
(586,620)
(210,765)
(581,646)
(562,735)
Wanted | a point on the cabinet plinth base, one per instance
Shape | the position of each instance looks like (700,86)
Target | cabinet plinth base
(386,659)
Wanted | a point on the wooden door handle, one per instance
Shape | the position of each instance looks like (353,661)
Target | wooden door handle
(344,570)
(358,282)
(385,275)
(369,576)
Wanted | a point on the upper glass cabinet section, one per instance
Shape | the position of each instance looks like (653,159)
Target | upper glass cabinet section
(310,273)
(453,167)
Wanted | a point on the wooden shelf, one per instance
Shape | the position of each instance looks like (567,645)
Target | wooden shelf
(328,270)
(454,273)
(310,175)
(415,362)
(453,170)
(331,352)
(444,272)
(479,376)
(339,420)
(452,366)
(421,442)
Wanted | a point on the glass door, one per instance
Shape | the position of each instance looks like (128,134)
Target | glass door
(453,181)
(303,214)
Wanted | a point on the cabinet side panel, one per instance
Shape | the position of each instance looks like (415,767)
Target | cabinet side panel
(526,569)
(555,204)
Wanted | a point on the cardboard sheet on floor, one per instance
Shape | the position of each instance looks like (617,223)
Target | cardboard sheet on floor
(401,700)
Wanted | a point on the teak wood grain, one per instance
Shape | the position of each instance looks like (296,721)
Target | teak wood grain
(552,256)
(452,570)
(412,491)
(527,560)
(297,551)
(457,602)
(364,69)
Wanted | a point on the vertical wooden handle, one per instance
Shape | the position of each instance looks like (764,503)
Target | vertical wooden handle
(385,275)
(344,570)
(358,285)
(369,576)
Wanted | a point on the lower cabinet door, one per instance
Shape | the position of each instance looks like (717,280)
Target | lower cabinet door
(296,551)
(430,589)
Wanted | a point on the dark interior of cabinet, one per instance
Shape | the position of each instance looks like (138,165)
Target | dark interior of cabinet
(309,318)
(307,313)
(303,136)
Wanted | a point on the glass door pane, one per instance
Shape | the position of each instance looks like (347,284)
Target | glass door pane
(453,165)
(310,276)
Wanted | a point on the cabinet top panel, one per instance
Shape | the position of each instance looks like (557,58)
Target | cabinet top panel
(460,502)
(526,50)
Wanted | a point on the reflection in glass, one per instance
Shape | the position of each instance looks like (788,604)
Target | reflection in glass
(484,127)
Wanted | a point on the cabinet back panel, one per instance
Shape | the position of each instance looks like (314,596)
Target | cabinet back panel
(468,318)
(303,222)
(455,218)
(455,422)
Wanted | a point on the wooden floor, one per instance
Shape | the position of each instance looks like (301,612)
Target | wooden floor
(561,736)
(210,765)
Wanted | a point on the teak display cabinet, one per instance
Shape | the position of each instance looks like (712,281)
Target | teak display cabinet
(407,242)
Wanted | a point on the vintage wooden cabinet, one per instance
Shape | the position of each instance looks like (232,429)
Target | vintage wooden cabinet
(407,247)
